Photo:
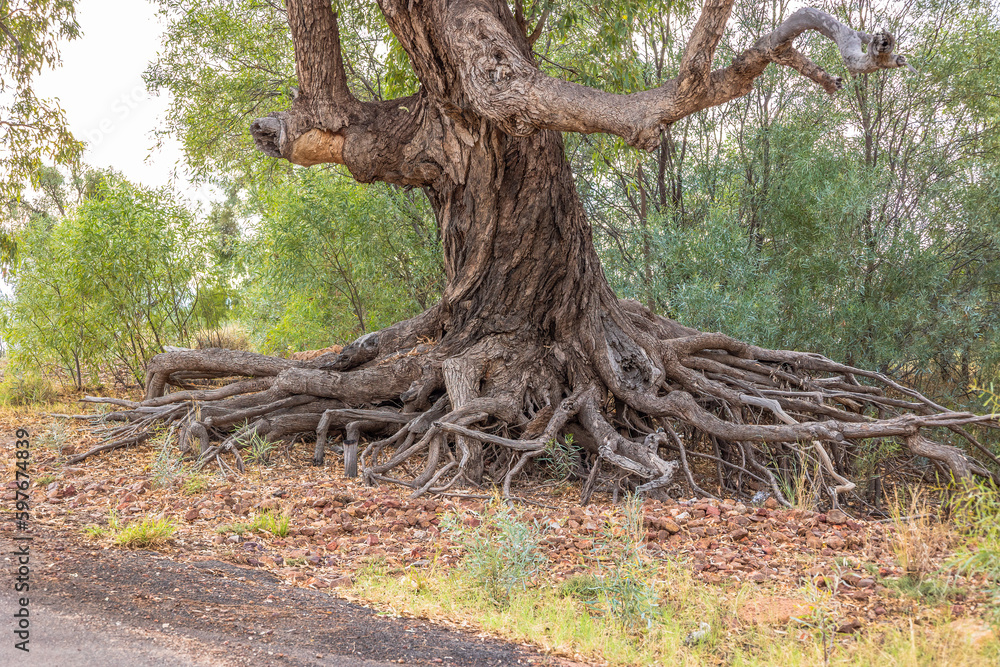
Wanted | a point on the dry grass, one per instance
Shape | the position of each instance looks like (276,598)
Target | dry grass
(918,533)
(229,336)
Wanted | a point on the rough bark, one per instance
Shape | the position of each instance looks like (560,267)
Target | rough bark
(528,339)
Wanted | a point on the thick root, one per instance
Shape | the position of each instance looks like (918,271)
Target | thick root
(648,399)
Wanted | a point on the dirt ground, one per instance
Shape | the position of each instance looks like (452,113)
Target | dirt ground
(217,596)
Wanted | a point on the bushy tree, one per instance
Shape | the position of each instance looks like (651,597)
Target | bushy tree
(330,261)
(125,273)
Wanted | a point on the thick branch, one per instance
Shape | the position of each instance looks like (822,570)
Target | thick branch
(503,84)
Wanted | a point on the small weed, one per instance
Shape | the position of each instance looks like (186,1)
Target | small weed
(53,438)
(45,480)
(149,532)
(194,485)
(165,468)
(583,587)
(625,586)
(561,458)
(916,535)
(502,553)
(95,532)
(258,449)
(273,522)
(929,590)
(237,528)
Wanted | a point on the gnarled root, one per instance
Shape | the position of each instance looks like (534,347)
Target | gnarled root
(642,397)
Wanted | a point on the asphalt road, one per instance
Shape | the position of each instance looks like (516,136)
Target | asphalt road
(112,608)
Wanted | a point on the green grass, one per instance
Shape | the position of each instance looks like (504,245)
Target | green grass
(194,485)
(26,389)
(45,480)
(630,610)
(276,523)
(145,533)
(552,616)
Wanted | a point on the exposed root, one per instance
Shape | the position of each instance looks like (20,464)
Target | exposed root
(648,398)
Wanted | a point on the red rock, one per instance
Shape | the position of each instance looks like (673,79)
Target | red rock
(738,534)
(836,517)
(191,515)
(852,625)
(372,540)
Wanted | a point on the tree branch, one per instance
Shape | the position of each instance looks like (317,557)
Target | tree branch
(504,85)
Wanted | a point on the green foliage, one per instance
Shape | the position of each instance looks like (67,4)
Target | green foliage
(144,534)
(258,449)
(332,259)
(31,128)
(194,485)
(125,273)
(976,513)
(501,553)
(625,586)
(863,226)
(276,523)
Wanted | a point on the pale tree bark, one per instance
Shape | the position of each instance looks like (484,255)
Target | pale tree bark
(528,342)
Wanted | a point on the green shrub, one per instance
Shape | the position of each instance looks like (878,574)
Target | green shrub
(501,553)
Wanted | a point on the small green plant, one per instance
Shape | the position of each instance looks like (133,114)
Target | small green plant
(165,468)
(625,586)
(53,438)
(237,528)
(276,523)
(143,534)
(929,590)
(194,485)
(258,449)
(502,553)
(149,532)
(45,480)
(916,534)
(561,458)
(97,532)
(820,620)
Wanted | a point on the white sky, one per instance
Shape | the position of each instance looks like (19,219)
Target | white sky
(100,88)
